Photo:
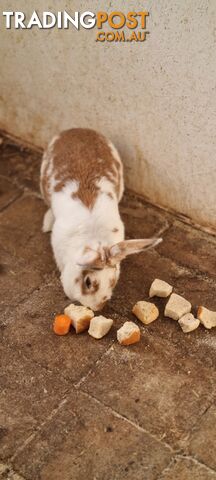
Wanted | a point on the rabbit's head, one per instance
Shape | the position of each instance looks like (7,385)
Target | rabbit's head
(92,280)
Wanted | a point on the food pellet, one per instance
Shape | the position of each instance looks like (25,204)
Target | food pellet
(176,307)
(128,334)
(159,288)
(80,317)
(100,326)
(146,312)
(188,323)
(206,317)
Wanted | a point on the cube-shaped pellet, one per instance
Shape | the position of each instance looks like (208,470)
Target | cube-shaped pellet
(80,316)
(128,334)
(100,326)
(188,323)
(176,307)
(159,288)
(146,312)
(206,317)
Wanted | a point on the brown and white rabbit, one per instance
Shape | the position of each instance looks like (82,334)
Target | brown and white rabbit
(82,183)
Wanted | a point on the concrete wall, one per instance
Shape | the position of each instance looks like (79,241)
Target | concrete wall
(156,100)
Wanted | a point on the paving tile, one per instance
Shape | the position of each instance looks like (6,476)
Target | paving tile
(19,164)
(203,439)
(137,274)
(85,440)
(7,473)
(8,192)
(17,280)
(26,256)
(186,469)
(21,234)
(28,396)
(190,248)
(29,329)
(151,384)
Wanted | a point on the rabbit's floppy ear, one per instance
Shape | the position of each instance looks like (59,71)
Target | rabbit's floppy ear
(128,247)
(92,259)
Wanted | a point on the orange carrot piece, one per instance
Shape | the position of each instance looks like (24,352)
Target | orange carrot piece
(61,324)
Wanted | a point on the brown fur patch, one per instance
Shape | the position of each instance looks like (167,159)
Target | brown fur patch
(95,286)
(113,282)
(82,155)
(110,195)
(59,186)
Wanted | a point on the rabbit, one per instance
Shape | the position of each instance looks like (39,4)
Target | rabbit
(82,183)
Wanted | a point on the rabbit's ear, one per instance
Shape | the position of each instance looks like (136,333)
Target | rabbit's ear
(92,259)
(128,247)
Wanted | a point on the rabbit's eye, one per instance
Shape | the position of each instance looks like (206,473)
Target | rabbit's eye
(88,282)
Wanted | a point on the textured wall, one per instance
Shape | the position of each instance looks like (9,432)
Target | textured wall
(156,100)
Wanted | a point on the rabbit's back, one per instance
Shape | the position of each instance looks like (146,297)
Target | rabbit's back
(86,158)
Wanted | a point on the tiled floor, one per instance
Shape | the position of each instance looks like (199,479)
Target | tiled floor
(73,408)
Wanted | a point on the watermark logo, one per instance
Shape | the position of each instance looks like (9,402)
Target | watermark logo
(128,27)
(115,26)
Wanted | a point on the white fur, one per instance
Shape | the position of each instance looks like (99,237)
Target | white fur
(75,227)
(106,186)
(47,164)
(72,289)
(48,221)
